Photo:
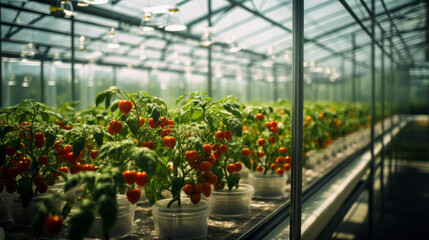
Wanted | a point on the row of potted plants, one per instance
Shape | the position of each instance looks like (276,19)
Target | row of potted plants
(187,161)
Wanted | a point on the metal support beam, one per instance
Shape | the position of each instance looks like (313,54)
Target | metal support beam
(249,82)
(11,33)
(391,84)
(353,67)
(372,163)
(73,91)
(383,79)
(115,76)
(42,81)
(343,80)
(396,28)
(297,117)
(427,31)
(275,90)
(1,66)
(209,55)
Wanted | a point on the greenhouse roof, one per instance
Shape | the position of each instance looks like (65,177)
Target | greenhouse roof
(261,28)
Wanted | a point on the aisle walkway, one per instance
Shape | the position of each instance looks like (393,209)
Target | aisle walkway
(406,209)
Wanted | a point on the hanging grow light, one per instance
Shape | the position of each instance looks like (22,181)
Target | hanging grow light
(96,1)
(175,21)
(112,41)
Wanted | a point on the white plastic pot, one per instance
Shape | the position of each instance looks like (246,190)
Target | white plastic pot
(268,186)
(124,221)
(189,221)
(234,203)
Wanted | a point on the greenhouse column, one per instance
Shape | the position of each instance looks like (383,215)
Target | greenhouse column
(249,80)
(275,93)
(353,67)
(382,128)
(297,117)
(73,97)
(391,83)
(372,163)
(42,79)
(1,69)
(209,55)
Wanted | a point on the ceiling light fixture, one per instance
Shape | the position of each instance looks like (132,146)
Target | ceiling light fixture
(175,21)
(112,41)
(96,1)
(206,38)
(67,8)
(233,46)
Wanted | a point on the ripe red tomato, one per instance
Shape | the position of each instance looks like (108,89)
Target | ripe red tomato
(261,153)
(71,158)
(207,189)
(213,179)
(283,150)
(217,154)
(272,139)
(195,198)
(63,169)
(231,168)
(286,166)
(115,126)
(245,152)
(152,124)
(268,125)
(68,127)
(43,159)
(141,179)
(38,179)
(23,166)
(205,166)
(198,188)
(10,185)
(219,135)
(308,119)
(125,106)
(129,176)
(165,132)
(10,151)
(141,121)
(272,166)
(261,142)
(42,187)
(223,148)
(211,160)
(94,154)
(169,142)
(133,195)
(274,124)
(207,149)
(39,137)
(238,166)
(259,116)
(280,160)
(280,171)
(227,135)
(288,159)
(75,168)
(53,224)
(12,172)
(259,169)
(39,144)
(188,189)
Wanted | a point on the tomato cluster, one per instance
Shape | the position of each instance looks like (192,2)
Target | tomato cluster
(132,177)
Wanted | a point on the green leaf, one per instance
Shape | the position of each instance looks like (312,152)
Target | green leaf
(50,137)
(233,180)
(81,221)
(108,211)
(132,124)
(152,191)
(114,105)
(25,190)
(108,99)
(100,98)
(230,108)
(5,130)
(177,183)
(66,209)
(78,145)
(156,114)
(98,136)
(73,182)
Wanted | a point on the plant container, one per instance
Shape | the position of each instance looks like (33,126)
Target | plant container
(234,203)
(268,186)
(189,221)
(124,221)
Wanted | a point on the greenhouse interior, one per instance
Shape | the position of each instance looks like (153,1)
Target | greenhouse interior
(204,119)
